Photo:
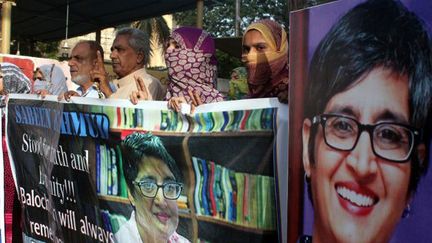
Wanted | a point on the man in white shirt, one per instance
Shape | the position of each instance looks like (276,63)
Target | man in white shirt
(86,56)
(129,54)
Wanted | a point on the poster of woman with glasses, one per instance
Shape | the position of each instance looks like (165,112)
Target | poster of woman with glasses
(113,172)
(154,185)
(367,121)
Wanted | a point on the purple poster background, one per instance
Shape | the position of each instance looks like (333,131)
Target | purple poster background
(415,228)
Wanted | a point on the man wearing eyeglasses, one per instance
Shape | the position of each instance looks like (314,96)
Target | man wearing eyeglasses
(153,181)
(366,131)
(86,56)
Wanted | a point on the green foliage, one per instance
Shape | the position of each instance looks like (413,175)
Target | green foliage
(219,19)
(47,49)
(226,64)
(37,49)
(157,28)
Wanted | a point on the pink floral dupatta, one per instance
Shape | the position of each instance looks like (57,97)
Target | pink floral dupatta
(192,66)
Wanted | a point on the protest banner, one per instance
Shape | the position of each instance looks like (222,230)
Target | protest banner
(76,183)
(356,64)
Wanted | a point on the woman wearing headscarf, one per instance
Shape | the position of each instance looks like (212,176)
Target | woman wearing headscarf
(12,80)
(51,78)
(191,60)
(238,85)
(265,54)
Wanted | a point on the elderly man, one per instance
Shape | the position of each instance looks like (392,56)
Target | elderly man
(129,54)
(86,57)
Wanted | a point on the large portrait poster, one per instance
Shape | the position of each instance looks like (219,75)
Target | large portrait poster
(108,171)
(361,102)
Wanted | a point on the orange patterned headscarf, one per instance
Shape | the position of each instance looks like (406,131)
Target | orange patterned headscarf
(268,72)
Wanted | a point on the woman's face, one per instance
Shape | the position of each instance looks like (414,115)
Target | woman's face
(254,43)
(158,215)
(358,196)
(38,75)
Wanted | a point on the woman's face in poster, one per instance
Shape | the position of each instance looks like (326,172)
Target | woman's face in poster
(358,196)
(158,215)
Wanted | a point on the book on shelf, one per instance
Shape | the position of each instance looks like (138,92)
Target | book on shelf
(106,220)
(122,181)
(253,200)
(112,222)
(139,117)
(239,178)
(233,195)
(241,198)
(114,172)
(119,116)
(98,167)
(103,171)
(218,121)
(244,120)
(218,193)
(198,184)
(109,172)
(226,190)
(204,201)
(167,120)
(130,118)
(226,120)
(211,197)
(261,195)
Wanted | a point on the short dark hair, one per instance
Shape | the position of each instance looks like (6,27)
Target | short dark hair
(136,147)
(376,33)
(138,40)
(94,47)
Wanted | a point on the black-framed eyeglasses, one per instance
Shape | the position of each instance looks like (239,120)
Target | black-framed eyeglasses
(391,141)
(170,190)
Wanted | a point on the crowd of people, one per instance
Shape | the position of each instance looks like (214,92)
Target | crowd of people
(190,56)
(366,123)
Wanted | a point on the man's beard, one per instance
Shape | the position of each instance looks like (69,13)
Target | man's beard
(81,79)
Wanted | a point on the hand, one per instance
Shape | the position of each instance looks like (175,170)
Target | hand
(283,97)
(100,77)
(175,102)
(42,93)
(141,93)
(283,93)
(195,98)
(67,95)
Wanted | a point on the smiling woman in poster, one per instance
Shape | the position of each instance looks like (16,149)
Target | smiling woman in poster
(153,179)
(366,131)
